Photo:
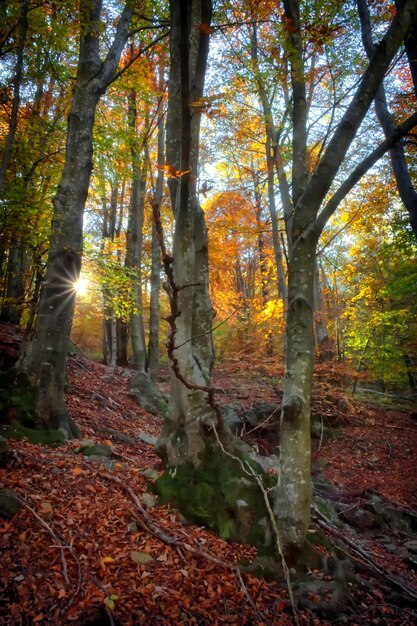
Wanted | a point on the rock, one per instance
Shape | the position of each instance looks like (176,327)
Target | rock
(141,558)
(132,527)
(151,473)
(116,434)
(266,462)
(327,509)
(90,448)
(232,419)
(147,438)
(391,547)
(4,452)
(323,486)
(46,511)
(9,503)
(103,460)
(359,518)
(320,464)
(412,562)
(147,395)
(261,411)
(411,546)
(148,499)
(392,517)
(317,429)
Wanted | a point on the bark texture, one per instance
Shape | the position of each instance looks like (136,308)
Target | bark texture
(191,352)
(44,358)
(304,225)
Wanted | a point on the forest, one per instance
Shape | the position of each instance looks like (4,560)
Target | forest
(208,314)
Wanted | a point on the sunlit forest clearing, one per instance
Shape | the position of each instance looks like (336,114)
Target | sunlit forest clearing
(208,328)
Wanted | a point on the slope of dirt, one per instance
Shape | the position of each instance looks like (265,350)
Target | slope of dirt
(90,546)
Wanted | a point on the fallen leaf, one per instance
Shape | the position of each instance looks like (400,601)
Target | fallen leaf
(46,512)
(140,557)
(107,559)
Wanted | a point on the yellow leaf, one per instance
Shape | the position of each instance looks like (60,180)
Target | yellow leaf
(107,559)
(77,471)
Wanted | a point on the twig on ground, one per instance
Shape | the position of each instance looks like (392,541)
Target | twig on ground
(62,545)
(150,524)
(324,523)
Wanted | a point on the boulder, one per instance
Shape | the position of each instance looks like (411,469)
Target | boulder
(147,395)
(232,419)
(4,452)
(10,503)
(88,447)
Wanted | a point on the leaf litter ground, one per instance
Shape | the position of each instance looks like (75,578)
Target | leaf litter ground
(89,547)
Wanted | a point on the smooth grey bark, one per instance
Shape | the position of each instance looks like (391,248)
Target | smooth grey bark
(155,286)
(271,147)
(410,43)
(109,233)
(17,80)
(292,497)
(322,336)
(135,236)
(44,357)
(406,190)
(260,239)
(183,436)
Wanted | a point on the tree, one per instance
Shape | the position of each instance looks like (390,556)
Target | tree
(32,172)
(190,348)
(311,209)
(43,360)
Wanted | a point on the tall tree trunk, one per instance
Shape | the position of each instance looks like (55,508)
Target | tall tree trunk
(44,358)
(270,148)
(12,308)
(322,336)
(135,237)
(293,493)
(154,312)
(17,80)
(108,233)
(191,349)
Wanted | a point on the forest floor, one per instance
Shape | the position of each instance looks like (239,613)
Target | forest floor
(92,546)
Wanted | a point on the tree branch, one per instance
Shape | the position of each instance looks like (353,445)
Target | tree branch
(359,171)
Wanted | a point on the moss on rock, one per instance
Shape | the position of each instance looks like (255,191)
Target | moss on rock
(34,435)
(17,398)
(220,495)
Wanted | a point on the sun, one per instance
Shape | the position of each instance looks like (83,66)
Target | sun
(81,287)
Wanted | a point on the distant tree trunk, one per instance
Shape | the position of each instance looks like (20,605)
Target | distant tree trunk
(45,356)
(135,237)
(17,80)
(154,313)
(410,373)
(108,233)
(12,308)
(322,335)
(270,148)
